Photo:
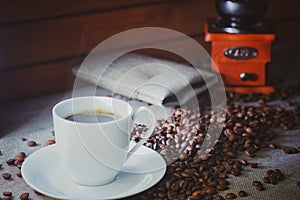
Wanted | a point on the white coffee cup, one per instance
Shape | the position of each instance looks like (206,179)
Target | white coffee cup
(93,153)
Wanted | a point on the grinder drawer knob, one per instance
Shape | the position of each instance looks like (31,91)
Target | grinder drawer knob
(244,76)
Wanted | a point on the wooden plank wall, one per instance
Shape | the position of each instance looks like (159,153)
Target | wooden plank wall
(41,40)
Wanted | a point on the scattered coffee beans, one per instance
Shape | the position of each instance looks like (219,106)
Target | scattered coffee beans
(244,162)
(7,193)
(22,155)
(19,174)
(230,196)
(260,188)
(37,192)
(10,161)
(31,143)
(254,165)
(24,196)
(49,142)
(290,150)
(288,103)
(6,176)
(256,183)
(272,146)
(242,193)
(219,197)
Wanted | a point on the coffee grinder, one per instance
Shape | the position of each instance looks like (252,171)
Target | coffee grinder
(241,45)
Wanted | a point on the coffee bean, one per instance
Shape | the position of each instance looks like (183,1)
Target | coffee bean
(196,193)
(230,196)
(18,163)
(219,197)
(272,146)
(256,183)
(273,180)
(260,188)
(244,162)
(183,156)
(220,168)
(31,143)
(208,197)
(242,193)
(183,184)
(270,173)
(19,174)
(10,161)
(261,102)
(210,190)
(187,173)
(222,187)
(18,158)
(37,192)
(249,153)
(23,139)
(7,193)
(277,171)
(235,172)
(266,179)
(49,142)
(193,198)
(6,176)
(24,196)
(22,155)
(254,165)
(223,175)
(288,103)
(290,150)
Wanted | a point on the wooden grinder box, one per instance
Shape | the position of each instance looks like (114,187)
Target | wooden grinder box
(242,59)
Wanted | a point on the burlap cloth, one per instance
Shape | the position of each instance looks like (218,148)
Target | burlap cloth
(32,119)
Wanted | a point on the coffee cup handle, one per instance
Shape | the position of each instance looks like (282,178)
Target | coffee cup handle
(148,132)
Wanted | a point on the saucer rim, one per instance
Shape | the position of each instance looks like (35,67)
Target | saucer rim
(163,170)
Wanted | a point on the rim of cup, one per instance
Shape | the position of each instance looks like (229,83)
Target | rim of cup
(116,119)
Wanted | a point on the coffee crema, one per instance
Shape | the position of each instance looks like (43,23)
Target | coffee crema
(89,116)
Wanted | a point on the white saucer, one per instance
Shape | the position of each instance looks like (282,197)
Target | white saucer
(43,171)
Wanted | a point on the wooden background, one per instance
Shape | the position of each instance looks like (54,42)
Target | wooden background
(41,40)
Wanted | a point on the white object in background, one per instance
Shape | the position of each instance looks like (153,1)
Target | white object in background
(153,80)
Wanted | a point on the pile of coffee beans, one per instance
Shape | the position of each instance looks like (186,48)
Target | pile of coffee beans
(192,174)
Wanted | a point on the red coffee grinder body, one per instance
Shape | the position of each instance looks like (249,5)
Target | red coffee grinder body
(241,45)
